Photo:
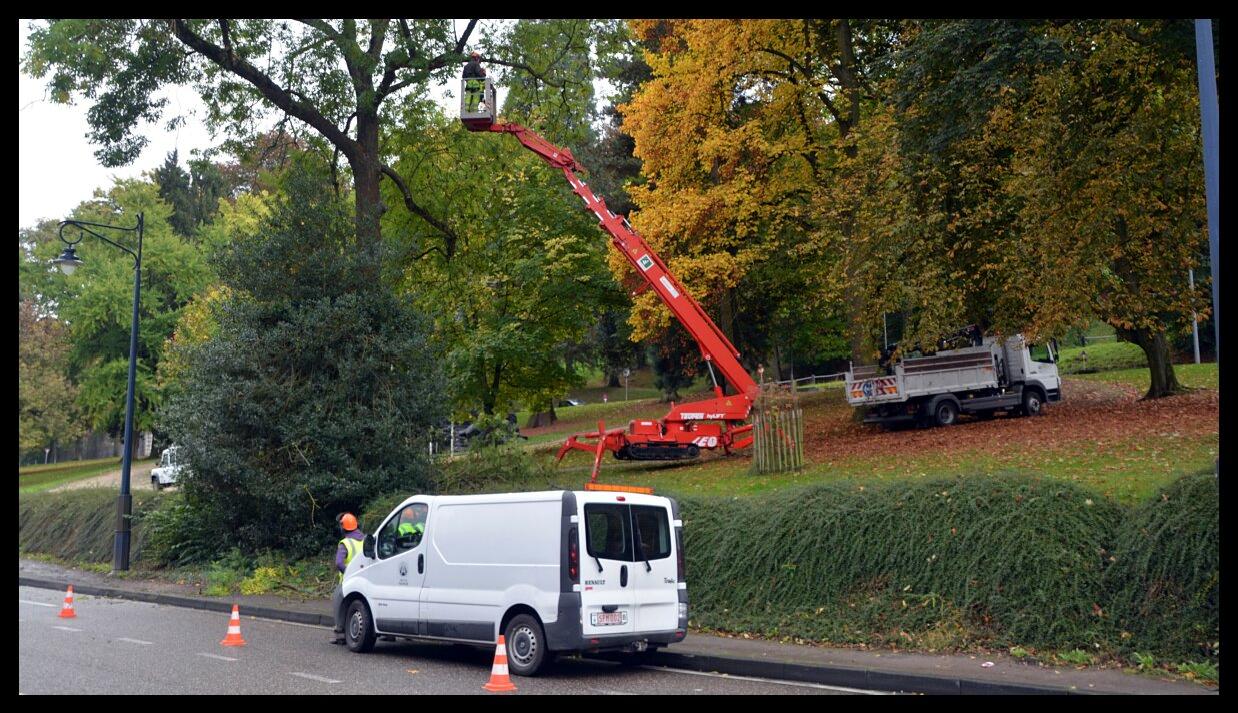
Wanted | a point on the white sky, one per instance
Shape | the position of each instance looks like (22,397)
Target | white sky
(56,166)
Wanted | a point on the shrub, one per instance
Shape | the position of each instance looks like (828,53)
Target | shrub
(1165,576)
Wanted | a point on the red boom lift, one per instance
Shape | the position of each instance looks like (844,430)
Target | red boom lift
(682,433)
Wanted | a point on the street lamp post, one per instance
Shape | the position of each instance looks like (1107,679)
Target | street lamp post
(68,262)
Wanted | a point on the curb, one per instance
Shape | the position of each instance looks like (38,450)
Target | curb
(826,675)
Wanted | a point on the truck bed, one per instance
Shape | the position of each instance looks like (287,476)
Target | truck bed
(967,369)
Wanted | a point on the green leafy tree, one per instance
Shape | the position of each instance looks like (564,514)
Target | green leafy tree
(315,389)
(341,82)
(47,414)
(96,302)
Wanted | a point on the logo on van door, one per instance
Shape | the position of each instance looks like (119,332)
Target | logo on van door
(403,568)
(596,582)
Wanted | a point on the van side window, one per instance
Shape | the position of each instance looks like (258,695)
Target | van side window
(607,532)
(653,532)
(403,532)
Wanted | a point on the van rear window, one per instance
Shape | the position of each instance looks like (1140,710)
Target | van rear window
(606,532)
(653,532)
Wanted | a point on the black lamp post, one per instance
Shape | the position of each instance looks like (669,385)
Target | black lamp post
(68,262)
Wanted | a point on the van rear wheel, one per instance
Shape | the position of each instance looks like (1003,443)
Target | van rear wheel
(526,645)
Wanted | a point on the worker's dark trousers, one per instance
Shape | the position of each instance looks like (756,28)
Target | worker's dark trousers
(337,598)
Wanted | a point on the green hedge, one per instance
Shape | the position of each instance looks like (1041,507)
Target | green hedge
(78,524)
(996,561)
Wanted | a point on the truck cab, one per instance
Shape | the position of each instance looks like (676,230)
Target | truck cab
(169,469)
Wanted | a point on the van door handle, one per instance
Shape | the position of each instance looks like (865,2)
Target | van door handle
(421,563)
(623,576)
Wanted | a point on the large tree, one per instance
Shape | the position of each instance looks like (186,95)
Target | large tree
(345,81)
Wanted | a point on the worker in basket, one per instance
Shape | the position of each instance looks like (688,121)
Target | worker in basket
(474,83)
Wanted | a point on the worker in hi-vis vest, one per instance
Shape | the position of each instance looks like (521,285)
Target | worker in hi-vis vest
(475,83)
(411,524)
(349,547)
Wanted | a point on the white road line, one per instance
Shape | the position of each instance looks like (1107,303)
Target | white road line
(217,656)
(769,680)
(312,677)
(37,604)
(135,641)
(65,628)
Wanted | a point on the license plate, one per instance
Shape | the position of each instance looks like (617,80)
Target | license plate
(601,618)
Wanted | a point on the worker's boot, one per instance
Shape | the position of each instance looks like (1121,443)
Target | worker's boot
(339,638)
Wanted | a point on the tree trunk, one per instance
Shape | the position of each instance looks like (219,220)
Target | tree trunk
(541,418)
(367,176)
(1163,382)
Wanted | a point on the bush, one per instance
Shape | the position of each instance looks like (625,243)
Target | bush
(176,535)
(1166,570)
(1102,356)
(494,469)
(316,391)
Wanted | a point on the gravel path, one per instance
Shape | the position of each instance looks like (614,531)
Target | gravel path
(139,479)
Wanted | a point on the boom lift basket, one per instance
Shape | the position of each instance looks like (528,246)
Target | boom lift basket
(477,105)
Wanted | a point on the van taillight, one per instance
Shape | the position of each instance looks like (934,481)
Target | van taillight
(573,556)
(679,560)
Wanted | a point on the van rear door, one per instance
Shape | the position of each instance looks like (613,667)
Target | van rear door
(656,576)
(606,570)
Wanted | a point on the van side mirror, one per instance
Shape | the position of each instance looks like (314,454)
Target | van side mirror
(367,547)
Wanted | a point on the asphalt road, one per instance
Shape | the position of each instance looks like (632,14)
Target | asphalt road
(115,646)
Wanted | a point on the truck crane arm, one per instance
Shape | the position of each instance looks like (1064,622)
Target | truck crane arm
(687,428)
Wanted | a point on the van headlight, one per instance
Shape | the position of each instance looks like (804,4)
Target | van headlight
(683,610)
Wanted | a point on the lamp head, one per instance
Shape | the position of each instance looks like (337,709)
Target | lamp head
(68,261)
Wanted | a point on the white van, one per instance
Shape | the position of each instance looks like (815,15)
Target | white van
(557,571)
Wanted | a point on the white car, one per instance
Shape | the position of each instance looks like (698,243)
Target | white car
(558,571)
(168,470)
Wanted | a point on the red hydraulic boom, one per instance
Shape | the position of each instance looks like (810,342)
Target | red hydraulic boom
(682,433)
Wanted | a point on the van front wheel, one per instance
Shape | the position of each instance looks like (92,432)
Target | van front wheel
(358,629)
(526,645)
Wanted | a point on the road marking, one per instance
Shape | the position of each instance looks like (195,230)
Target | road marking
(37,604)
(65,628)
(312,677)
(769,680)
(608,692)
(135,641)
(217,656)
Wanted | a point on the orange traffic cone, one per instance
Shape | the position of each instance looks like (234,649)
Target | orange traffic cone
(499,682)
(66,612)
(234,629)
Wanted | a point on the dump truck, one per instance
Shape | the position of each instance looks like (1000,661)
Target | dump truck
(984,377)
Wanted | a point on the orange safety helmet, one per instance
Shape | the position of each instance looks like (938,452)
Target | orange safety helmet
(348,522)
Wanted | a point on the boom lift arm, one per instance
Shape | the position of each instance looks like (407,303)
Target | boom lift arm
(687,427)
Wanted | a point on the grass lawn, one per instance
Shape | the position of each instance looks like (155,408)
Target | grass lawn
(38,479)
(65,465)
(1102,356)
(1101,437)
(1194,376)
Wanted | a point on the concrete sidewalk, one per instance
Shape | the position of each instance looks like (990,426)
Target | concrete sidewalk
(877,670)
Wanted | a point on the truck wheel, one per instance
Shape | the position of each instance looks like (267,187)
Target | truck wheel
(946,413)
(1032,403)
(526,645)
(358,629)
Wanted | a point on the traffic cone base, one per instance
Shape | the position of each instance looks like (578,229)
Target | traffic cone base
(499,682)
(66,612)
(234,629)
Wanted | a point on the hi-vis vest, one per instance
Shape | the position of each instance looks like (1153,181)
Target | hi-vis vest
(351,548)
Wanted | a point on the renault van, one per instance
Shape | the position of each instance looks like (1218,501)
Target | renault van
(553,572)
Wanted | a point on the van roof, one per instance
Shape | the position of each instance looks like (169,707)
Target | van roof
(587,496)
